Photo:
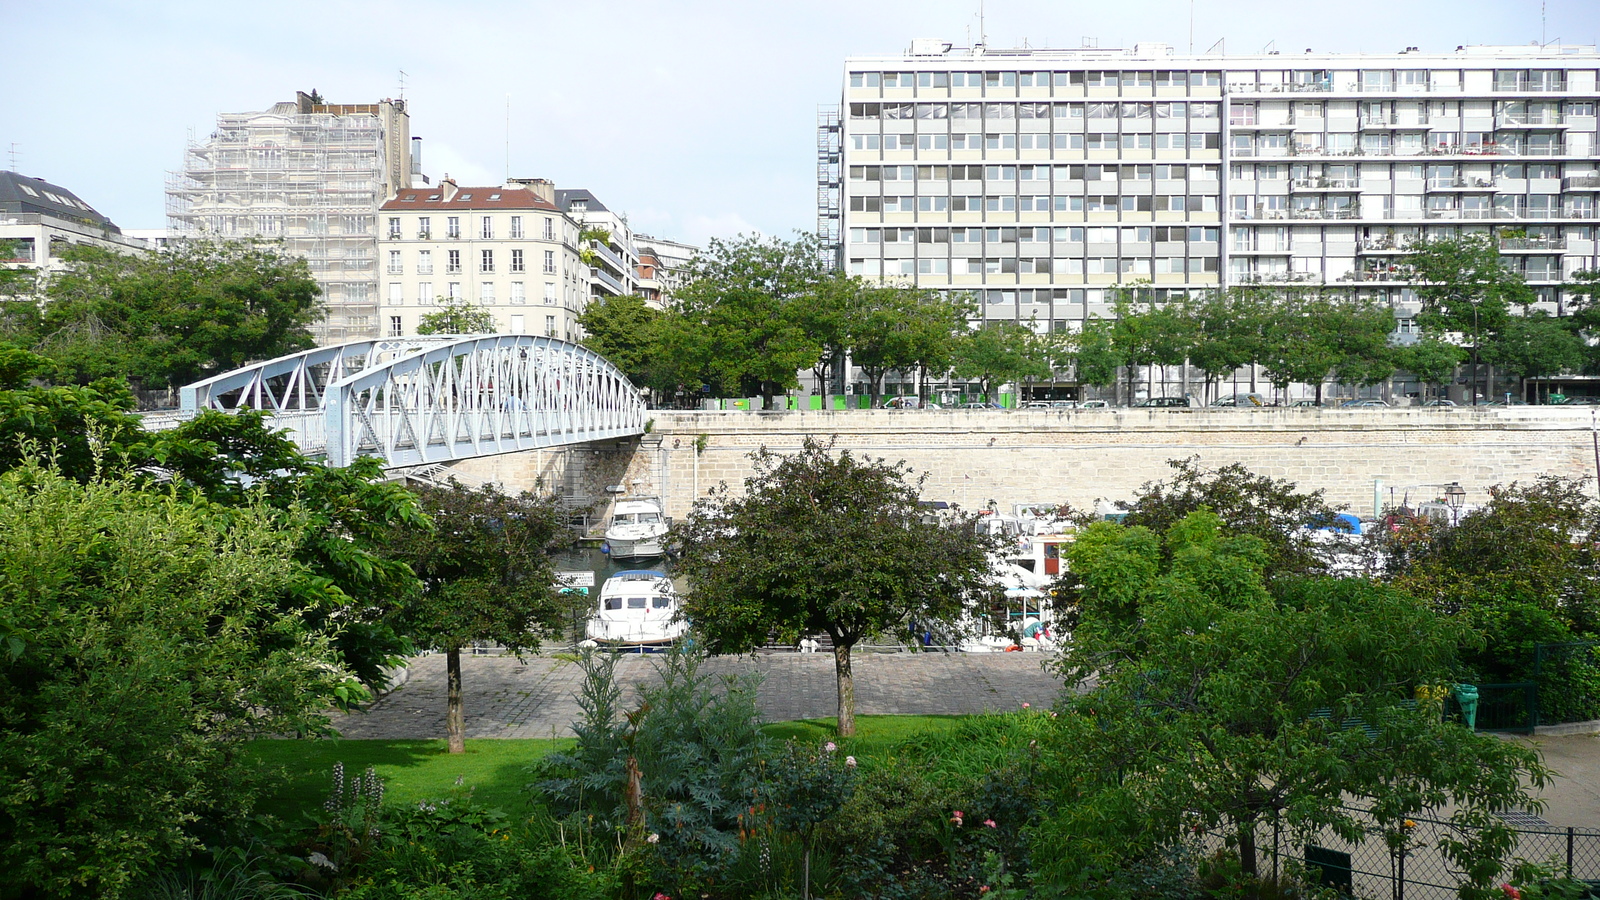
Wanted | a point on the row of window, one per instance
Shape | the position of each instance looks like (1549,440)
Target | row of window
(519,325)
(454,290)
(1181,109)
(1152,172)
(486,228)
(1040,265)
(1009,141)
(452,262)
(1499,172)
(1039,203)
(1034,79)
(1244,112)
(1367,79)
(1076,234)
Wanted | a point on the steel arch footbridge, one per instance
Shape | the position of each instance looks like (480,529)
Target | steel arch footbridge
(415,401)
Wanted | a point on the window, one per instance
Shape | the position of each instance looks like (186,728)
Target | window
(549,262)
(394,228)
(516,261)
(453,290)
(452,261)
(485,292)
(516,227)
(424,293)
(518,296)
(423,231)
(550,325)
(549,293)
(394,326)
(549,229)
(485,260)
(488,228)
(397,295)
(395,267)
(424,262)
(452,226)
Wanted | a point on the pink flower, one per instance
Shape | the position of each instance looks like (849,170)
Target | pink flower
(1511,892)
(830,746)
(990,823)
(660,896)
(850,761)
(957,821)
(1026,705)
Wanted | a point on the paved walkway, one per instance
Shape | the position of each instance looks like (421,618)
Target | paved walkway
(505,698)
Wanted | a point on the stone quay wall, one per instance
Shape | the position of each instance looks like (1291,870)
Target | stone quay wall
(1079,456)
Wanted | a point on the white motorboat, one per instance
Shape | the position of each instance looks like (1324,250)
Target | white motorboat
(637,529)
(637,608)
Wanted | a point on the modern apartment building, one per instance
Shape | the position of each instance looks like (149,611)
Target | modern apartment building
(40,220)
(311,174)
(1042,180)
(507,248)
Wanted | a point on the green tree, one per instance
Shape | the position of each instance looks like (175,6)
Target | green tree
(84,430)
(1315,336)
(1228,329)
(741,320)
(900,328)
(1148,334)
(174,317)
(1537,344)
(1095,353)
(999,352)
(1221,704)
(1432,360)
(19,307)
(486,576)
(457,315)
(624,330)
(824,542)
(1465,290)
(141,642)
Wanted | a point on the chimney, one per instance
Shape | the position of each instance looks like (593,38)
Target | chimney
(447,187)
(416,155)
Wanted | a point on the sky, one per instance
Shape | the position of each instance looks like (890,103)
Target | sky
(696,118)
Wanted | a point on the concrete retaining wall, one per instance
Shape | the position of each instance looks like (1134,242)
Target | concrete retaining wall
(1078,456)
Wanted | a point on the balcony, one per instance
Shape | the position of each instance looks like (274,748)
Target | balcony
(607,279)
(1277,278)
(1461,184)
(1351,213)
(1346,185)
(1382,273)
(1581,183)
(1391,123)
(1320,87)
(1533,245)
(1530,87)
(1260,251)
(1383,245)
(1526,120)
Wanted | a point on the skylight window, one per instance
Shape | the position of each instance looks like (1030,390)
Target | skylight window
(464,197)
(31,191)
(433,196)
(409,198)
(494,196)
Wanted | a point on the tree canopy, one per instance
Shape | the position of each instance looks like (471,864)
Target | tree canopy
(486,575)
(174,317)
(623,330)
(824,542)
(1221,702)
(457,315)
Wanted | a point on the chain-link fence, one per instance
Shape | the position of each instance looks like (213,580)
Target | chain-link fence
(1407,864)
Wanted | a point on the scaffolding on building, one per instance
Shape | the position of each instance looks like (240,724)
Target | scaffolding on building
(311,175)
(828,138)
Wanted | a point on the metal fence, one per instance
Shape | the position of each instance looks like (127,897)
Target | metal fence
(1417,870)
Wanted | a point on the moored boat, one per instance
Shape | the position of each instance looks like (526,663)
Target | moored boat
(637,608)
(637,529)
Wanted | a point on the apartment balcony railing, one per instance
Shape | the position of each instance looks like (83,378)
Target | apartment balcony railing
(1581,183)
(1525,120)
(1383,245)
(1391,123)
(1261,251)
(1257,88)
(1324,214)
(1500,213)
(1387,273)
(1490,149)
(1532,245)
(1276,278)
(1530,87)
(1461,184)
(1326,184)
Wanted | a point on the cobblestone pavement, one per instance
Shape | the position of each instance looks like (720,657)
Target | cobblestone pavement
(505,698)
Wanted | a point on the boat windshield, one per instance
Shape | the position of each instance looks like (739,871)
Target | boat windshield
(636,602)
(663,603)
(613,603)
(649,518)
(622,519)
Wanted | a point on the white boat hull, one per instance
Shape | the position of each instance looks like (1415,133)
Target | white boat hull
(636,548)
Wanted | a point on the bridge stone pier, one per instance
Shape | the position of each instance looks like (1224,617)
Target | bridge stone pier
(1079,456)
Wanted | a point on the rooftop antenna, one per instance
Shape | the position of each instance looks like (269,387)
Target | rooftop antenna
(13,156)
(508,137)
(1221,43)
(1191,27)
(1267,50)
(402,84)
(1541,24)
(983,34)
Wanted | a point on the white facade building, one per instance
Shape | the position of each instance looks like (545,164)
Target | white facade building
(311,174)
(40,220)
(507,248)
(615,260)
(1041,180)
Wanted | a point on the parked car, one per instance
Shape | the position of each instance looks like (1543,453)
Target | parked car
(909,403)
(1250,400)
(1063,404)
(1093,404)
(1440,403)
(1164,403)
(1038,404)
(978,405)
(1364,403)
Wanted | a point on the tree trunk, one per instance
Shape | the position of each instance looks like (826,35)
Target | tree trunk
(1247,849)
(847,688)
(454,719)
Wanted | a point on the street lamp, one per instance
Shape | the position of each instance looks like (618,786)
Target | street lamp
(1454,495)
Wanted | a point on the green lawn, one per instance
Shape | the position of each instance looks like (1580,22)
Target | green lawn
(496,770)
